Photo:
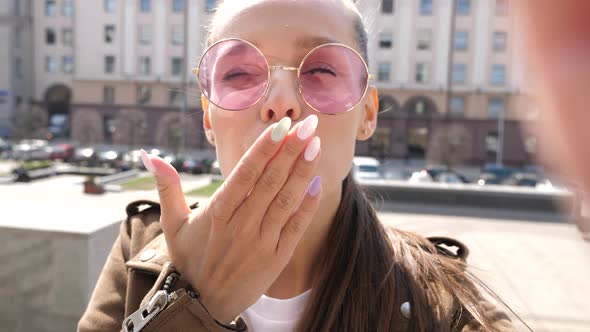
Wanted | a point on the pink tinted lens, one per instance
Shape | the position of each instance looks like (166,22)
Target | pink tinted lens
(233,74)
(333,79)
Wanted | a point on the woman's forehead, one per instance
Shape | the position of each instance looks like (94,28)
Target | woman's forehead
(288,25)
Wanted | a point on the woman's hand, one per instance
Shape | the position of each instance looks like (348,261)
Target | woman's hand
(233,248)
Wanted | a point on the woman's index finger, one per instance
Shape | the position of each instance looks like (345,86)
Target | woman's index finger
(248,170)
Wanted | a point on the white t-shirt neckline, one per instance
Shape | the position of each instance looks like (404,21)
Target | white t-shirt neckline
(270,314)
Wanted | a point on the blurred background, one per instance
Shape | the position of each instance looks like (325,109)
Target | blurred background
(85,84)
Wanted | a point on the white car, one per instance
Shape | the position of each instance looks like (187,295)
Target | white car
(366,168)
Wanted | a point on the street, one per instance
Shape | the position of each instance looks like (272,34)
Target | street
(538,266)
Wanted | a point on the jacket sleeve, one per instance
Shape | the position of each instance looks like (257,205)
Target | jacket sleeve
(106,309)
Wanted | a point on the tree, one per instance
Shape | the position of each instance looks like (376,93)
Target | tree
(87,127)
(449,146)
(30,122)
(172,126)
(131,127)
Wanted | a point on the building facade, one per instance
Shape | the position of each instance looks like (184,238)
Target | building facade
(442,64)
(16,76)
(117,70)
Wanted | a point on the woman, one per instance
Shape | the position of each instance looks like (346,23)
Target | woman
(289,242)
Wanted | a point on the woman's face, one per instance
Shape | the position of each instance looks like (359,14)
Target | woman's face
(285,31)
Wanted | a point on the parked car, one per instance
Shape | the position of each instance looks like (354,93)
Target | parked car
(5,148)
(439,174)
(193,165)
(62,151)
(522,180)
(31,149)
(112,158)
(366,168)
(494,174)
(85,156)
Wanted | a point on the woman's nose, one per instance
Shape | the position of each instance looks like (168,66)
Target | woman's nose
(282,98)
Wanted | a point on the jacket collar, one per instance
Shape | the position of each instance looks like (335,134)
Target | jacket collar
(152,257)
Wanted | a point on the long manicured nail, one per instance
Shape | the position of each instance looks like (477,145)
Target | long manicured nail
(314,186)
(281,130)
(147,162)
(312,149)
(307,127)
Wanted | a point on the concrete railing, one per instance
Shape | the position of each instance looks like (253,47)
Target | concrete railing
(472,195)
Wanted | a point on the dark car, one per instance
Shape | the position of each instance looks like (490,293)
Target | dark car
(523,180)
(193,165)
(494,174)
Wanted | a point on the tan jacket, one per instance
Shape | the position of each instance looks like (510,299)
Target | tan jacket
(137,267)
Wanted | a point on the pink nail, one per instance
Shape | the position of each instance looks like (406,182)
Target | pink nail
(307,127)
(314,186)
(312,149)
(147,162)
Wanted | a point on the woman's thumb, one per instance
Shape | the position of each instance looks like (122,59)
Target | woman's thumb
(174,209)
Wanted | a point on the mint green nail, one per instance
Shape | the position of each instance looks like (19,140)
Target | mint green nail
(281,130)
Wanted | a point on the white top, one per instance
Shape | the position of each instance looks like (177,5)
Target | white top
(270,314)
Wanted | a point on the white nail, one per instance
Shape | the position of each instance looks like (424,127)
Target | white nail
(147,162)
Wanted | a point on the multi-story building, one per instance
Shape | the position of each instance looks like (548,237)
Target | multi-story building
(16,77)
(119,70)
(132,74)
(439,63)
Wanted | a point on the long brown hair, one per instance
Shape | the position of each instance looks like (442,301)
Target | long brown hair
(369,271)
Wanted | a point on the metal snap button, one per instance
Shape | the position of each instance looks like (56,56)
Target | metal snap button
(147,255)
(405,310)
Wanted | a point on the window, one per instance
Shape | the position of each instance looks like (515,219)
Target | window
(108,94)
(109,6)
(16,8)
(384,72)
(50,8)
(144,65)
(176,68)
(210,5)
(177,6)
(387,6)
(49,37)
(457,106)
(177,34)
(145,6)
(67,8)
(385,40)
(17,37)
(50,64)
(463,7)
(422,73)
(67,37)
(459,73)
(495,107)
(109,64)
(18,68)
(500,41)
(144,94)
(68,64)
(424,39)
(501,7)
(426,7)
(461,40)
(498,74)
(145,34)
(109,33)
(175,98)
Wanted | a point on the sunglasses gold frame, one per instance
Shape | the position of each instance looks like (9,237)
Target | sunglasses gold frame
(297,69)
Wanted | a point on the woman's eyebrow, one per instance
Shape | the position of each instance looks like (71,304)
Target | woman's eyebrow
(311,42)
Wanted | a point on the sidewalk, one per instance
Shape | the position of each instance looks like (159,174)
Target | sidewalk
(541,269)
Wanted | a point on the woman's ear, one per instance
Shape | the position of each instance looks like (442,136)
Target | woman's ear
(207,121)
(369,119)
